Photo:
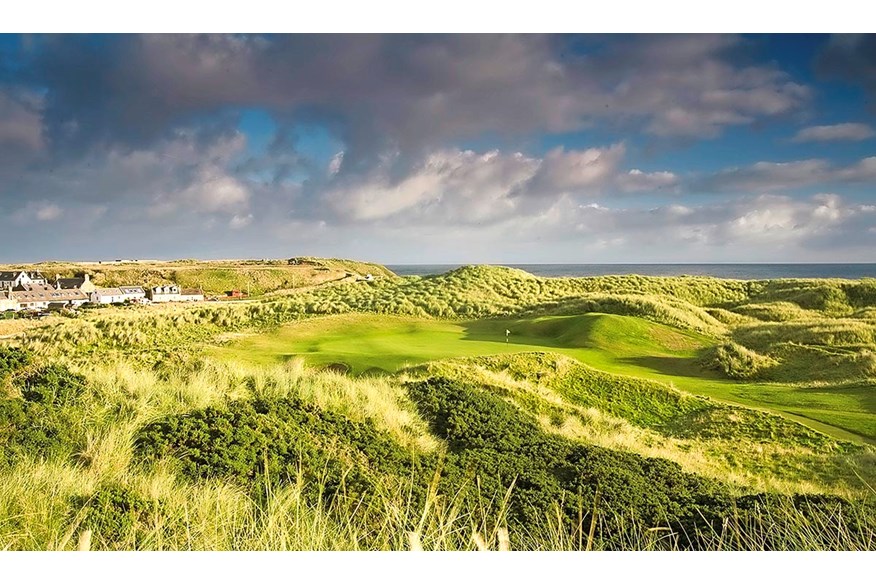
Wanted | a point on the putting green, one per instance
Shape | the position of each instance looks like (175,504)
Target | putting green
(616,344)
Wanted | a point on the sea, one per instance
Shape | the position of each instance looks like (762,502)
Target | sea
(731,271)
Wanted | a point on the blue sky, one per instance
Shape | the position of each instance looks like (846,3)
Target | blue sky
(456,148)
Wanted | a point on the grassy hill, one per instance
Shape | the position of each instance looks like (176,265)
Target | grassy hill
(620,413)
(215,277)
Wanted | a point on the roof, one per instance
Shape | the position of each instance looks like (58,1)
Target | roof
(191,292)
(109,291)
(7,275)
(45,293)
(70,282)
(132,289)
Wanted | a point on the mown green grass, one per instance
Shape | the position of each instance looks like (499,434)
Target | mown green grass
(364,341)
(613,343)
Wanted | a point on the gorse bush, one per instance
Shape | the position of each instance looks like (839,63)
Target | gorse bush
(490,446)
(114,513)
(33,430)
(274,441)
(13,359)
(53,385)
(493,444)
(41,424)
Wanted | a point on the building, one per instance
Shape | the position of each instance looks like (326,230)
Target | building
(191,295)
(42,296)
(166,293)
(135,294)
(82,282)
(7,303)
(10,280)
(107,296)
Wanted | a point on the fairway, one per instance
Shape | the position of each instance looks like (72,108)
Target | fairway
(369,343)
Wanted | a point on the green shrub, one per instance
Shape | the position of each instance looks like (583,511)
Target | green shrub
(53,384)
(272,441)
(114,513)
(35,430)
(499,444)
(13,359)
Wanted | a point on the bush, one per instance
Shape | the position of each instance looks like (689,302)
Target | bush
(34,430)
(13,359)
(114,512)
(53,384)
(497,443)
(272,440)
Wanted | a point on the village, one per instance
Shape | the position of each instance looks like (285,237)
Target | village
(30,291)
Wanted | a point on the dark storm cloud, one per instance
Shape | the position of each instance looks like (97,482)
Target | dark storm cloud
(403,91)
(21,130)
(852,58)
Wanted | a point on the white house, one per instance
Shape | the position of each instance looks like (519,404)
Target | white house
(10,280)
(166,293)
(7,302)
(133,293)
(107,296)
(82,282)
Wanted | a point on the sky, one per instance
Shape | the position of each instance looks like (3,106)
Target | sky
(439,149)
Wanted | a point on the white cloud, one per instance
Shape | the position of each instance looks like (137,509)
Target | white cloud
(48,212)
(470,187)
(215,191)
(42,211)
(834,133)
(240,221)
(462,185)
(575,170)
(335,163)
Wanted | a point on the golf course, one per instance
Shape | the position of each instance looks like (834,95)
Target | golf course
(611,412)
(381,344)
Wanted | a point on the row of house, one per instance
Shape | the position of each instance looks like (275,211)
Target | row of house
(31,291)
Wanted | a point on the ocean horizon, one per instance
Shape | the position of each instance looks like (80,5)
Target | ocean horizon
(853,271)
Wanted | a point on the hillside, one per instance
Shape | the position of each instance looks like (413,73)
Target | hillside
(256,277)
(599,413)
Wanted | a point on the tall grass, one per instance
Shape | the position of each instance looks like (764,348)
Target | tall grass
(35,514)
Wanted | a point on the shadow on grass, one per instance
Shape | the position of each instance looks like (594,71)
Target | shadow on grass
(544,335)
(690,367)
